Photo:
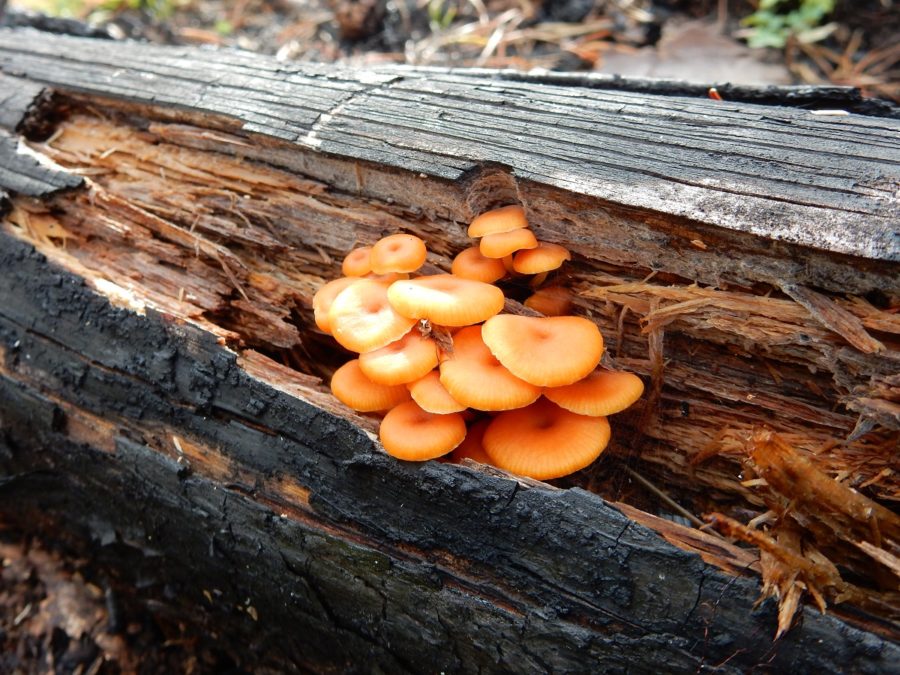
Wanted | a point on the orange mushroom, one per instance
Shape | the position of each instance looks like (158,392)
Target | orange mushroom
(477,380)
(601,393)
(362,319)
(545,351)
(324,297)
(502,244)
(504,219)
(446,300)
(352,388)
(543,441)
(542,259)
(551,301)
(357,263)
(473,447)
(402,361)
(398,253)
(470,264)
(432,396)
(410,433)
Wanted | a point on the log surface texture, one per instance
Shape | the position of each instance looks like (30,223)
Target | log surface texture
(244,503)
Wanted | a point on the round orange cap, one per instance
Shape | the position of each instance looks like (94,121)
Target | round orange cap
(470,264)
(502,244)
(551,301)
(352,388)
(362,319)
(410,433)
(603,392)
(545,351)
(324,297)
(504,219)
(477,380)
(405,360)
(358,263)
(544,441)
(446,300)
(431,395)
(398,253)
(544,258)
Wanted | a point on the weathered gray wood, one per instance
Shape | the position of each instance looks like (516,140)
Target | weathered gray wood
(784,174)
(24,174)
(374,564)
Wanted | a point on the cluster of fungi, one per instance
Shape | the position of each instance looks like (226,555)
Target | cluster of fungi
(522,393)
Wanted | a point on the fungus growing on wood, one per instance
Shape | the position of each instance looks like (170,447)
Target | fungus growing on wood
(503,244)
(601,393)
(398,253)
(324,297)
(402,361)
(543,258)
(550,301)
(544,441)
(471,264)
(446,300)
(545,351)
(475,378)
(358,263)
(352,388)
(410,433)
(432,396)
(362,319)
(504,219)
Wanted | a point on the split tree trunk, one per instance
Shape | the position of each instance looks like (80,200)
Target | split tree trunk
(170,213)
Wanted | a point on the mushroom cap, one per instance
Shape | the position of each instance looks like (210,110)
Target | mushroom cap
(473,447)
(362,319)
(504,219)
(398,253)
(357,263)
(550,301)
(544,258)
(544,441)
(408,432)
(477,380)
(402,361)
(601,393)
(324,297)
(501,244)
(470,264)
(432,396)
(352,388)
(446,300)
(545,351)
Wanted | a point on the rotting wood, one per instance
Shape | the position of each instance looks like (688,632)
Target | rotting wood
(186,214)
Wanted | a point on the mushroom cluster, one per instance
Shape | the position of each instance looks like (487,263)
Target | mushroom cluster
(523,393)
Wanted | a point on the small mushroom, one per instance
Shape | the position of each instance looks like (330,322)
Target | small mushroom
(470,264)
(473,447)
(477,380)
(601,393)
(352,388)
(504,219)
(398,253)
(410,433)
(446,300)
(551,301)
(543,441)
(358,263)
(545,351)
(432,396)
(503,244)
(402,361)
(362,319)
(544,258)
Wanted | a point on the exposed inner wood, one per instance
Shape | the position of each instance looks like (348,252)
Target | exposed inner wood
(175,218)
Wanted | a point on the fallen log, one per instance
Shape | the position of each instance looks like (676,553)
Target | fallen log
(169,214)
